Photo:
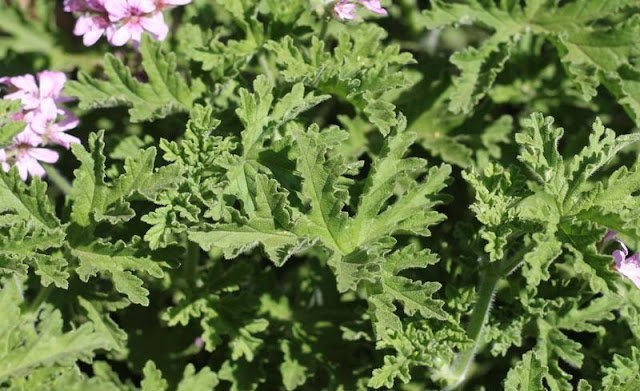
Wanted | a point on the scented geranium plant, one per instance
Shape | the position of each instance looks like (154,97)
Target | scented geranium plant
(319,195)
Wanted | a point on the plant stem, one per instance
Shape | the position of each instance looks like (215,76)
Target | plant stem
(60,181)
(191,265)
(324,28)
(43,295)
(479,316)
(493,273)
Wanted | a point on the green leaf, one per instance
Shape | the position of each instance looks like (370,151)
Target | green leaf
(166,93)
(166,223)
(321,171)
(479,69)
(382,114)
(140,178)
(89,188)
(623,370)
(30,202)
(592,54)
(244,343)
(270,226)
(583,385)
(413,211)
(294,374)
(539,153)
(242,375)
(259,117)
(60,379)
(119,260)
(130,146)
(96,201)
(526,375)
(362,69)
(202,380)
(153,380)
(31,342)
(417,343)
(9,128)
(393,368)
(23,244)
(103,324)
(537,261)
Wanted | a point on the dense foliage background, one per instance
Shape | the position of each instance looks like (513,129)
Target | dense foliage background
(276,199)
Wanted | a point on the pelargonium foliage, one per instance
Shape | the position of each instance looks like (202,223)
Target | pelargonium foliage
(319,195)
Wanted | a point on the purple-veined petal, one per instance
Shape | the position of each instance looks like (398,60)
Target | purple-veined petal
(117,10)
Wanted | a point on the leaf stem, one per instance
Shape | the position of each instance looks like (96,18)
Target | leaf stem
(58,179)
(493,273)
(479,316)
(42,296)
(191,265)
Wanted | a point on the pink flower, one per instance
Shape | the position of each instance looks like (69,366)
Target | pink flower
(133,17)
(199,342)
(628,266)
(84,5)
(94,22)
(162,5)
(28,157)
(40,111)
(120,20)
(344,10)
(74,5)
(55,132)
(611,235)
(38,99)
(374,6)
(91,27)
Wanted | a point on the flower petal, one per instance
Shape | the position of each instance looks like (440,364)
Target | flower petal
(120,36)
(25,83)
(117,9)
(51,83)
(91,37)
(143,6)
(63,139)
(374,6)
(70,121)
(23,169)
(155,25)
(44,154)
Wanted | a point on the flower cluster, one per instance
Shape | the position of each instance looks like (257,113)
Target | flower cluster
(628,266)
(46,122)
(345,9)
(120,20)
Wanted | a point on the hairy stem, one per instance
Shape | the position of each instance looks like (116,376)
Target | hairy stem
(492,275)
(479,316)
(60,181)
